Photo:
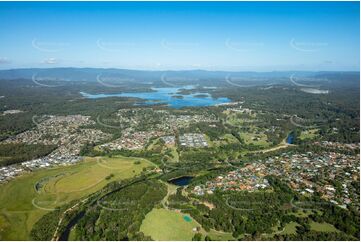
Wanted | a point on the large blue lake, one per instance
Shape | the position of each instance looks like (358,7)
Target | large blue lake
(169,96)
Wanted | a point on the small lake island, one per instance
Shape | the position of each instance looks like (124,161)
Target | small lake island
(178,96)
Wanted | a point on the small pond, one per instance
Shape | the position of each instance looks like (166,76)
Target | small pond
(187,218)
(181,181)
(290,138)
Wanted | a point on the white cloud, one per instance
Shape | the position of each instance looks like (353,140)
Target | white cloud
(4,60)
(50,61)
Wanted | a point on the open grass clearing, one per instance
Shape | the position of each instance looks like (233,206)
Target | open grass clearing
(254,138)
(290,228)
(323,227)
(163,224)
(220,236)
(309,134)
(20,210)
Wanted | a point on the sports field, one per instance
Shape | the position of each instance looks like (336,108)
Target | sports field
(25,199)
(163,224)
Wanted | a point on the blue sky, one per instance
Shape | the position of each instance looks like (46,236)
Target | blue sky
(245,36)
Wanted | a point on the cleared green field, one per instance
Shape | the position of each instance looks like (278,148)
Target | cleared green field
(25,199)
(175,154)
(163,224)
(256,139)
(155,145)
(226,139)
(309,134)
(323,227)
(239,119)
(290,228)
(220,236)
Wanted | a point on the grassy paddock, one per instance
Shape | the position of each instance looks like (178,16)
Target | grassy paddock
(163,224)
(309,134)
(290,228)
(323,227)
(248,139)
(21,205)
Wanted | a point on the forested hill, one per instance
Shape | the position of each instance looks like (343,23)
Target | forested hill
(91,74)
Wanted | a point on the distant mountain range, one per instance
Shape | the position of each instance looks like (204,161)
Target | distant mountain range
(91,74)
